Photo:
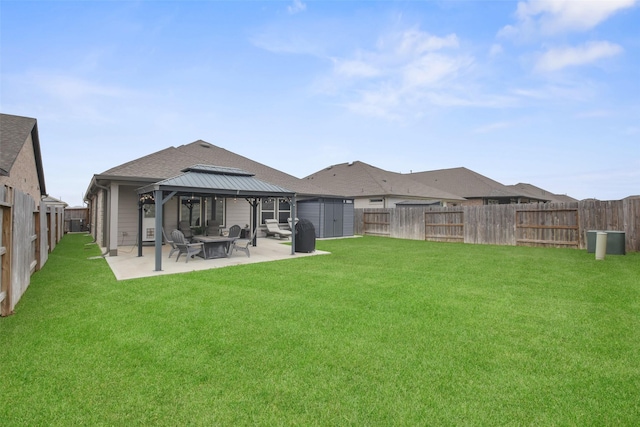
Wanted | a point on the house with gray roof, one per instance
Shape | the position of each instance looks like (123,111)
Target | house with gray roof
(372,187)
(20,158)
(475,188)
(537,192)
(116,196)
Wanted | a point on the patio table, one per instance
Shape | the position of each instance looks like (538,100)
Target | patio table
(215,246)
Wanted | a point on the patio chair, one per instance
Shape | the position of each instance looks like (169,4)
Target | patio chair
(243,244)
(170,242)
(184,247)
(273,229)
(184,227)
(234,231)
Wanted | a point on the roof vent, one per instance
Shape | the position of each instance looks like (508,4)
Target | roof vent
(350,164)
(205,145)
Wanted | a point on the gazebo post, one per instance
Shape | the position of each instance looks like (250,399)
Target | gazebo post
(158,231)
(140,208)
(254,208)
(293,226)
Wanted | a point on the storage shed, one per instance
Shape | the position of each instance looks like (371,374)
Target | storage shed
(331,217)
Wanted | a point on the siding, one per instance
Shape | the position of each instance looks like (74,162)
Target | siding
(23,175)
(127,216)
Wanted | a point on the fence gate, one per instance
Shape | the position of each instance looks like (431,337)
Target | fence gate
(444,226)
(547,227)
(376,223)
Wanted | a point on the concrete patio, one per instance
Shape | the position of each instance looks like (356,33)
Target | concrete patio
(128,265)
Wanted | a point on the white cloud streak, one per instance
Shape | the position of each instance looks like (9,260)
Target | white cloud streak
(405,69)
(558,58)
(297,7)
(550,17)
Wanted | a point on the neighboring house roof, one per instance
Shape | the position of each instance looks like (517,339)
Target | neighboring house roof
(171,161)
(208,179)
(466,183)
(53,201)
(14,133)
(359,179)
(541,193)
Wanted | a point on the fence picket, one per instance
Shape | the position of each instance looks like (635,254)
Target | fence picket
(548,224)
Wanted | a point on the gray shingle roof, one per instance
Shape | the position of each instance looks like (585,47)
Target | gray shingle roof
(465,182)
(14,133)
(171,161)
(540,193)
(359,179)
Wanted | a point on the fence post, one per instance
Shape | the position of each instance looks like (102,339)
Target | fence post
(5,253)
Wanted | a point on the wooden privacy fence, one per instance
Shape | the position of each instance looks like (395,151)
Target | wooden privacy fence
(26,238)
(543,224)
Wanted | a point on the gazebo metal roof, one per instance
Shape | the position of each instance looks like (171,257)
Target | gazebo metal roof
(208,180)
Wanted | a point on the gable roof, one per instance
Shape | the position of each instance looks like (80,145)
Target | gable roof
(171,161)
(466,183)
(14,133)
(359,179)
(538,192)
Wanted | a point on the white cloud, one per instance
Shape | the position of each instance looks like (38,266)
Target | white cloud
(355,68)
(73,89)
(495,50)
(558,58)
(430,69)
(382,102)
(413,42)
(548,17)
(404,70)
(297,7)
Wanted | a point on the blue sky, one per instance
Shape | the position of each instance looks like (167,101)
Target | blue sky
(544,92)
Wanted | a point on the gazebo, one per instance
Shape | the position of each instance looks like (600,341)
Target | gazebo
(207,181)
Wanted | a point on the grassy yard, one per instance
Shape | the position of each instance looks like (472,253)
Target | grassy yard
(381,332)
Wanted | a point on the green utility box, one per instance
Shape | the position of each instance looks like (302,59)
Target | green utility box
(615,242)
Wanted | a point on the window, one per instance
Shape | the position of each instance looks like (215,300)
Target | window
(215,210)
(199,210)
(375,200)
(190,210)
(272,210)
(268,209)
(284,211)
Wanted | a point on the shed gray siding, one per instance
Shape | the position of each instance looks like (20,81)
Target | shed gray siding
(348,219)
(315,210)
(311,212)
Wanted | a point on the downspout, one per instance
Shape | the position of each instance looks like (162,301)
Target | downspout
(105,226)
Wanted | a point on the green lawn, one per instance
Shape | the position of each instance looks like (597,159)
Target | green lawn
(381,332)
